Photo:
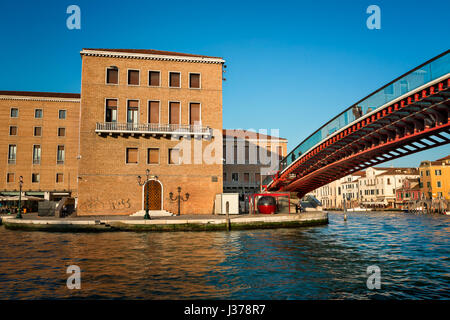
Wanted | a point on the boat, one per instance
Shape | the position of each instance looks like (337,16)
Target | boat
(358,209)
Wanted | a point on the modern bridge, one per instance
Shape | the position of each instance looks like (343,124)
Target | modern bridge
(408,115)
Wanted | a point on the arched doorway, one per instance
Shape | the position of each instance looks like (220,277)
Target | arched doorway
(153,195)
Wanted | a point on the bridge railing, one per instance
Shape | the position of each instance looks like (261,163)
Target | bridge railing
(429,71)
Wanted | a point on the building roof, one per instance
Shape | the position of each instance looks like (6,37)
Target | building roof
(437,162)
(444,158)
(40,94)
(246,134)
(394,171)
(151,52)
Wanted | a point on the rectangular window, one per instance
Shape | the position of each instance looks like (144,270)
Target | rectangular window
(112,76)
(10,177)
(235,177)
(174,79)
(35,177)
(194,80)
(438,184)
(13,131)
(36,154)
(153,112)
(154,78)
(38,113)
(12,154)
(258,178)
(246,177)
(62,114)
(153,156)
(280,152)
(60,155)
(132,111)
(174,156)
(194,114)
(437,172)
(428,184)
(59,177)
(174,113)
(133,77)
(14,112)
(61,132)
(132,155)
(37,131)
(111,110)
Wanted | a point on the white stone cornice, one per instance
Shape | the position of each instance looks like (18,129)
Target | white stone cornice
(51,99)
(148,56)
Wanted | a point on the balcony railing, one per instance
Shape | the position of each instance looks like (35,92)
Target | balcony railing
(151,128)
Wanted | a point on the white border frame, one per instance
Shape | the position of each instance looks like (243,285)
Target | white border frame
(41,118)
(168,111)
(64,158)
(168,157)
(189,113)
(32,155)
(128,77)
(10,112)
(106,76)
(159,112)
(39,175)
(126,152)
(200,80)
(159,157)
(104,108)
(148,78)
(57,132)
(34,131)
(65,116)
(168,79)
(138,111)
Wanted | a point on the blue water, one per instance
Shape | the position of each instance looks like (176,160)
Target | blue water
(325,262)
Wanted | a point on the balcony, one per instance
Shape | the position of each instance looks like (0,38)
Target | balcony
(178,130)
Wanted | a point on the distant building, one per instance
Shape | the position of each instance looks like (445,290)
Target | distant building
(248,158)
(435,179)
(409,191)
(378,187)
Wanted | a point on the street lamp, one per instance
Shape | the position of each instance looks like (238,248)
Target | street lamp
(19,215)
(147,172)
(179,198)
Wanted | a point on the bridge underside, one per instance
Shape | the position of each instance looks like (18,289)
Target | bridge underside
(418,122)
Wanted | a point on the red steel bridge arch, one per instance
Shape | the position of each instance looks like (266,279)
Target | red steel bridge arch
(415,121)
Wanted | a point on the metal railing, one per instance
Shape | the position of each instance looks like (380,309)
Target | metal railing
(415,78)
(151,128)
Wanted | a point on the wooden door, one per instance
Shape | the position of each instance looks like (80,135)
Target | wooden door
(152,195)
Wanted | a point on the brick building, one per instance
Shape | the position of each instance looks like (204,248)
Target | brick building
(248,158)
(139,110)
(39,141)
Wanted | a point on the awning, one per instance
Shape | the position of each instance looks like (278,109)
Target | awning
(24,198)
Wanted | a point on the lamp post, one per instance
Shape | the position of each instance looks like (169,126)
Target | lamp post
(19,214)
(147,172)
(179,198)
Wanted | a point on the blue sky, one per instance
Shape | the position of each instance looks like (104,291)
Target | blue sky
(292,65)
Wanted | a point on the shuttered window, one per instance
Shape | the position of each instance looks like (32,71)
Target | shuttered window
(153,156)
(153,78)
(153,112)
(59,177)
(112,76)
(174,79)
(37,131)
(61,132)
(174,156)
(194,80)
(174,112)
(10,177)
(194,113)
(132,112)
(246,177)
(132,155)
(12,130)
(133,77)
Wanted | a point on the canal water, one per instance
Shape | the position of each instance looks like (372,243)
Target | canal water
(325,262)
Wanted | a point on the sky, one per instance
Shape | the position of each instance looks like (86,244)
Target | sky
(291,65)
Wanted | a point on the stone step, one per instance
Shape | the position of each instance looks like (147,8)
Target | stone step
(159,213)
